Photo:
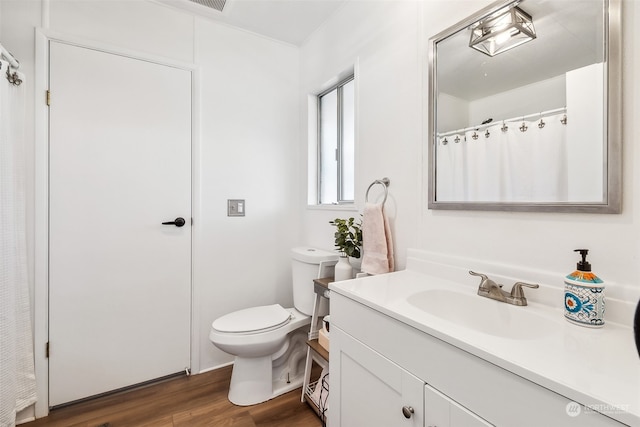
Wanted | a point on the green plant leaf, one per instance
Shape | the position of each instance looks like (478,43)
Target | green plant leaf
(348,236)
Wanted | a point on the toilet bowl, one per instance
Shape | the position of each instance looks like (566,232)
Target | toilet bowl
(268,342)
(258,337)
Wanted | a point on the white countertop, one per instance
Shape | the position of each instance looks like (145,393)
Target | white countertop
(597,367)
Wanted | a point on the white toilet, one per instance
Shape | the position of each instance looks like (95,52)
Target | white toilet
(269,341)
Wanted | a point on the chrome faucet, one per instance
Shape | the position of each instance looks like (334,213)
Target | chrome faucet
(490,289)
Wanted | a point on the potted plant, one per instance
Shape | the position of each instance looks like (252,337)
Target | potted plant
(348,240)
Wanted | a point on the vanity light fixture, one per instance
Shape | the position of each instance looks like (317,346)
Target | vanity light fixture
(501,31)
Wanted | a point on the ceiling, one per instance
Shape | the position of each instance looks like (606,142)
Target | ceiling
(569,36)
(290,21)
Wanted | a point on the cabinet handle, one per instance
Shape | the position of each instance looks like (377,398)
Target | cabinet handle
(407,411)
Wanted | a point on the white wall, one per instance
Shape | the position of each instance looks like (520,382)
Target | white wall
(249,151)
(541,96)
(536,97)
(382,38)
(248,143)
(453,113)
(585,105)
(389,38)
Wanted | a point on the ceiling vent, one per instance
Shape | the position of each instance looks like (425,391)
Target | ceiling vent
(213,4)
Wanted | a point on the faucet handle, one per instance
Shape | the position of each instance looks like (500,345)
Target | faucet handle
(516,291)
(485,282)
(483,276)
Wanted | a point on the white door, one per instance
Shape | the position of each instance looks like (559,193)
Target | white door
(120,165)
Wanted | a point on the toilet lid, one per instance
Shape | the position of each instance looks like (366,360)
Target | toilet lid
(252,319)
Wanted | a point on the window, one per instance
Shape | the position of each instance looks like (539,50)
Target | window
(336,143)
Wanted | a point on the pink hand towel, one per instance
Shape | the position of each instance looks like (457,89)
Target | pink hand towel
(377,245)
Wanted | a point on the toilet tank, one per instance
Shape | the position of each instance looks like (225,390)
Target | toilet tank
(308,264)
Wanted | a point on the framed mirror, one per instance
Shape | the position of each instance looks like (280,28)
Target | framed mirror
(525,109)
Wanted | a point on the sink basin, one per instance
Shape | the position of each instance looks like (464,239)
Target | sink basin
(483,315)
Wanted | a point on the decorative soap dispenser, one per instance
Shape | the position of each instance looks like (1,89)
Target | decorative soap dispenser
(584,295)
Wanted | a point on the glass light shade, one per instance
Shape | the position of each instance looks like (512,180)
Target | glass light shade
(502,31)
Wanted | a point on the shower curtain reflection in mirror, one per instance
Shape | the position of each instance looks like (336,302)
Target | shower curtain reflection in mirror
(516,161)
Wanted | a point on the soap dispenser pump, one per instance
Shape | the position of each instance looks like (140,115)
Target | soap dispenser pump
(584,295)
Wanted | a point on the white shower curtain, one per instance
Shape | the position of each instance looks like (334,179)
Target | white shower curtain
(17,378)
(505,162)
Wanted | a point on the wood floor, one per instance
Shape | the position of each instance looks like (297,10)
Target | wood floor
(198,400)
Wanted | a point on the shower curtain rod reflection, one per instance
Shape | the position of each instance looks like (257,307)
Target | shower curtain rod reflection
(511,120)
(4,53)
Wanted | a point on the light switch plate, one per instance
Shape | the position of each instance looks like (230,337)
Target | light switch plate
(235,207)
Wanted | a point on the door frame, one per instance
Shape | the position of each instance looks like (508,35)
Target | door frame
(41,202)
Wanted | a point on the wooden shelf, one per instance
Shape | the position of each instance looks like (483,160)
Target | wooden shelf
(324,281)
(320,350)
(321,286)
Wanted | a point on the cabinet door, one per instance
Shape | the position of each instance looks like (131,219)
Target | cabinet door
(370,390)
(441,411)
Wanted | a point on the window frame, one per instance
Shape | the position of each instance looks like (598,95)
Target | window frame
(338,87)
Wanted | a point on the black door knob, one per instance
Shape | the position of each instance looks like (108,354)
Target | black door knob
(178,222)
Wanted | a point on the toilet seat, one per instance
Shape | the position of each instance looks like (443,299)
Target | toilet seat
(253,320)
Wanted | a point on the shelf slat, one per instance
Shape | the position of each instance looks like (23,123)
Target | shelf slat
(311,403)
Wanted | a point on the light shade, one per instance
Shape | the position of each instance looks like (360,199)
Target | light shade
(502,31)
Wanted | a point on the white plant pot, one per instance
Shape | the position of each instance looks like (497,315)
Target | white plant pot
(343,270)
(356,264)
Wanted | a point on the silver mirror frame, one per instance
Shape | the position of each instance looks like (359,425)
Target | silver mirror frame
(612,201)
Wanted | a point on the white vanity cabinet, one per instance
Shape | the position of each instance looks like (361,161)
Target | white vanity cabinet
(379,365)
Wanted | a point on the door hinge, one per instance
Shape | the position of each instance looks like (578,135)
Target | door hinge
(46,350)
(48,98)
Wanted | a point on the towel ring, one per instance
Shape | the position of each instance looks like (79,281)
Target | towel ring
(385,183)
